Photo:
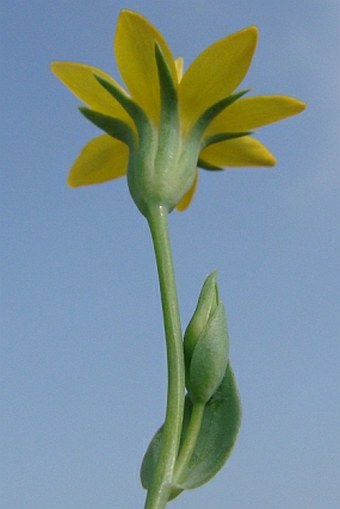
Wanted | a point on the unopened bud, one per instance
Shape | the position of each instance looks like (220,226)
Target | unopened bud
(206,344)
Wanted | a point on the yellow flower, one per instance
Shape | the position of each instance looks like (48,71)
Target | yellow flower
(167,125)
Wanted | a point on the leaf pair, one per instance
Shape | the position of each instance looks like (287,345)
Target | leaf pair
(217,436)
(212,412)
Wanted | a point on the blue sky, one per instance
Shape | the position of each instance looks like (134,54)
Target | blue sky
(82,361)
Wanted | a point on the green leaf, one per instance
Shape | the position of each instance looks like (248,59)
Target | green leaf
(219,430)
(112,126)
(150,459)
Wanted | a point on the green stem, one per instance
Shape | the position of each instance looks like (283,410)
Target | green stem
(190,440)
(160,488)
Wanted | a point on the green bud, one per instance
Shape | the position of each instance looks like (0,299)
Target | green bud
(206,344)
(207,303)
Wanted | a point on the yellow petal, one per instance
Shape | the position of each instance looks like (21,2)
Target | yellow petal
(135,54)
(252,112)
(103,158)
(79,78)
(216,73)
(179,63)
(244,151)
(187,198)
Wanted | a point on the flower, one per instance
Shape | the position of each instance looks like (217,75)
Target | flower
(169,124)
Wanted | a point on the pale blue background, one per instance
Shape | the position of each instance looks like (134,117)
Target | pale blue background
(83,368)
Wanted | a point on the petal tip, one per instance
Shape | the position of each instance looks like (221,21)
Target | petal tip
(71,182)
(128,14)
(54,66)
(296,106)
(270,161)
(249,34)
(252,31)
(300,105)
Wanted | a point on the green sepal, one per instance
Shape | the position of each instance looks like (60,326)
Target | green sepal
(169,125)
(220,426)
(217,138)
(137,114)
(168,89)
(207,166)
(112,126)
(208,115)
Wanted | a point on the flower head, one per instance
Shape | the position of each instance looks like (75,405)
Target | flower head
(167,124)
